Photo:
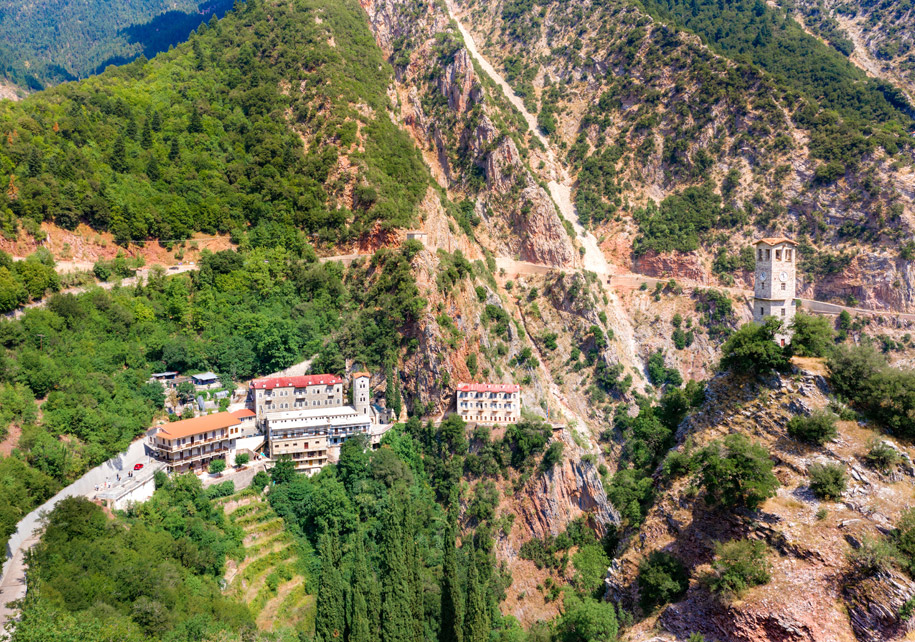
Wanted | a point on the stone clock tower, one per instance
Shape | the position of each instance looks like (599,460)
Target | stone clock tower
(774,292)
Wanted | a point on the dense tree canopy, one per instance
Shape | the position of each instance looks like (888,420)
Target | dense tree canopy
(209,137)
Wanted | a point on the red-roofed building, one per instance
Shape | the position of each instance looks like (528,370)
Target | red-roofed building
(247,422)
(489,403)
(194,443)
(283,394)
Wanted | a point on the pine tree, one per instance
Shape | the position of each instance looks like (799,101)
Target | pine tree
(452,613)
(330,617)
(476,619)
(33,162)
(118,160)
(195,126)
(152,168)
(131,128)
(156,121)
(174,152)
(146,140)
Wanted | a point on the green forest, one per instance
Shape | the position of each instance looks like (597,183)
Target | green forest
(87,358)
(242,126)
(151,574)
(52,41)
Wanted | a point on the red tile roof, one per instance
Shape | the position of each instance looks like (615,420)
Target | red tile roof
(356,375)
(776,240)
(296,382)
(488,387)
(243,412)
(198,425)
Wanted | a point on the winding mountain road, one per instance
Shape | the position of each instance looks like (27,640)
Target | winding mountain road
(560,187)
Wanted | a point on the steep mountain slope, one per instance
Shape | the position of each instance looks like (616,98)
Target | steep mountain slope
(877,36)
(682,153)
(817,590)
(213,136)
(49,41)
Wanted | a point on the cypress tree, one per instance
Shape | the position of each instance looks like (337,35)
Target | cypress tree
(330,617)
(476,620)
(392,390)
(359,625)
(416,577)
(452,613)
(396,611)
(156,121)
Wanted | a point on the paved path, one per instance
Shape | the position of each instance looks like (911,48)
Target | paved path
(12,581)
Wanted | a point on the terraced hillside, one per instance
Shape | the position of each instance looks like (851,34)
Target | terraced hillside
(270,579)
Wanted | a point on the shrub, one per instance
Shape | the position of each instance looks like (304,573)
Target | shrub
(662,579)
(587,619)
(881,455)
(242,458)
(850,366)
(659,374)
(812,335)
(217,466)
(676,464)
(903,538)
(827,481)
(886,395)
(889,398)
(736,472)
(260,481)
(224,489)
(752,349)
(552,456)
(818,428)
(873,556)
(739,565)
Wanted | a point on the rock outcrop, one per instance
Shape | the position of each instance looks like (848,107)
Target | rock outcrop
(875,603)
(451,116)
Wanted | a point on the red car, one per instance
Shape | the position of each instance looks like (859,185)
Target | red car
(138,466)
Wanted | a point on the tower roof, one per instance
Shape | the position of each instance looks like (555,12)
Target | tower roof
(775,240)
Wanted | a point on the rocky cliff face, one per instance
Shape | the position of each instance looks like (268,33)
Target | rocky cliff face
(814,594)
(462,129)
(646,94)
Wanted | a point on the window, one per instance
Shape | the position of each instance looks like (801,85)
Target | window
(784,286)
(783,311)
(768,255)
(762,312)
(778,255)
(788,255)
(759,254)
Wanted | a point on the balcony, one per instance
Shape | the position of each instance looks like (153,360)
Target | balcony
(174,461)
(197,442)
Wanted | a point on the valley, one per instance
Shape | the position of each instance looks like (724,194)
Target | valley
(510,321)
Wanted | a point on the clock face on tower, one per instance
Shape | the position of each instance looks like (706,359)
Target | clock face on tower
(763,275)
(783,276)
